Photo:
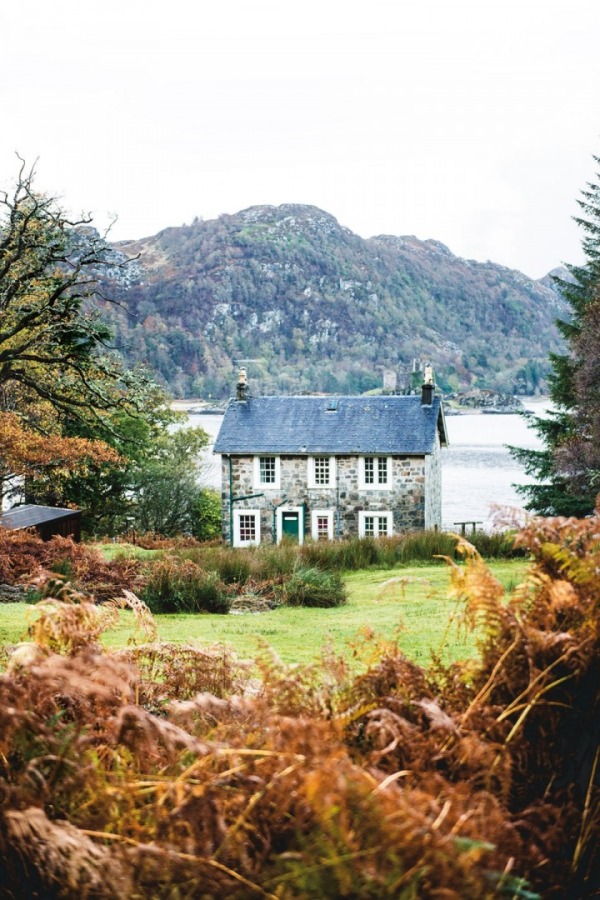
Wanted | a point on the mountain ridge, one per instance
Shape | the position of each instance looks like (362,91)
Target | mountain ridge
(316,307)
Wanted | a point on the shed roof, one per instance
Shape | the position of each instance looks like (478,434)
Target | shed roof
(31,515)
(336,425)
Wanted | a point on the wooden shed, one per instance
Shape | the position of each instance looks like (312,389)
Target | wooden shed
(47,521)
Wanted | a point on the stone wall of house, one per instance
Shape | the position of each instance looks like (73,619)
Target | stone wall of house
(433,478)
(412,507)
(406,499)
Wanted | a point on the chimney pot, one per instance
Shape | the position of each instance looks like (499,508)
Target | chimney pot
(241,392)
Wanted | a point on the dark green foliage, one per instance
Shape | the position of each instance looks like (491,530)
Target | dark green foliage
(56,366)
(314,587)
(164,483)
(157,488)
(106,496)
(317,308)
(206,515)
(567,471)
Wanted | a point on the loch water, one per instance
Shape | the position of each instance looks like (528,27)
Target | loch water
(479,476)
(478,473)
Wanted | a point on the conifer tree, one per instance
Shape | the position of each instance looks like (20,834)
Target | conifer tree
(567,470)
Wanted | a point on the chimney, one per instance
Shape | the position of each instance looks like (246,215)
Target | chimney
(428,386)
(241,392)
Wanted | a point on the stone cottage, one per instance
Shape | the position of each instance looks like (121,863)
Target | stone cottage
(330,467)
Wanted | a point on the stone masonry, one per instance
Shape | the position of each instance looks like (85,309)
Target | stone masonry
(414,497)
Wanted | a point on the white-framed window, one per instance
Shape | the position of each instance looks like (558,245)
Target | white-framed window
(375,472)
(246,527)
(375,523)
(321,524)
(321,471)
(267,472)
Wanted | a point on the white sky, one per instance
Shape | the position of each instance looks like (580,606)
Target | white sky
(469,121)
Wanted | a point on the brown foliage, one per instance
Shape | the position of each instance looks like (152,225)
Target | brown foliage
(25,557)
(150,541)
(25,452)
(179,773)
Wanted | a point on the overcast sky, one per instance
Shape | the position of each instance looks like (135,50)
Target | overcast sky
(469,121)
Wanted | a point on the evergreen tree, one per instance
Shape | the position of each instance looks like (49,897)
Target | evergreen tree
(567,471)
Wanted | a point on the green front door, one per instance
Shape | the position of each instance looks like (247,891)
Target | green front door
(290,525)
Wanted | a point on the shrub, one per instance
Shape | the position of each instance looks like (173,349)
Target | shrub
(206,512)
(356,553)
(415,546)
(233,566)
(314,587)
(176,585)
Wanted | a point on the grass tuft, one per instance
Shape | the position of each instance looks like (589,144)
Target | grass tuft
(176,586)
(313,587)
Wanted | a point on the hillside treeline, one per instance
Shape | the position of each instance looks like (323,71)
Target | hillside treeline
(309,306)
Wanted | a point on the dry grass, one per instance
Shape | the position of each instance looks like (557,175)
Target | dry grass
(172,772)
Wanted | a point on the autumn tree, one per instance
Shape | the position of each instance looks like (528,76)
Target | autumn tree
(53,343)
(27,454)
(157,484)
(78,426)
(58,373)
(567,469)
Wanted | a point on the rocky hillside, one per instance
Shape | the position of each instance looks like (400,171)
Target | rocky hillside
(310,306)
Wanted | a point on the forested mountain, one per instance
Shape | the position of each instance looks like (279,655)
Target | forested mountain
(310,306)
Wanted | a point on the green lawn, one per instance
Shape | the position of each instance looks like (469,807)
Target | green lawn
(409,601)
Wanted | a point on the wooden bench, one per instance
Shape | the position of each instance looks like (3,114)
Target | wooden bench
(472,522)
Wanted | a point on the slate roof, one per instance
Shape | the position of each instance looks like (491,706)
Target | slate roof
(30,515)
(334,425)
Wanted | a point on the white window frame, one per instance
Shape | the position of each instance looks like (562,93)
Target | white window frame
(311,472)
(268,485)
(279,516)
(319,514)
(237,513)
(376,485)
(380,513)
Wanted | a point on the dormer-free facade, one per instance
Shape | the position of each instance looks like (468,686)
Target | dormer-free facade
(330,467)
